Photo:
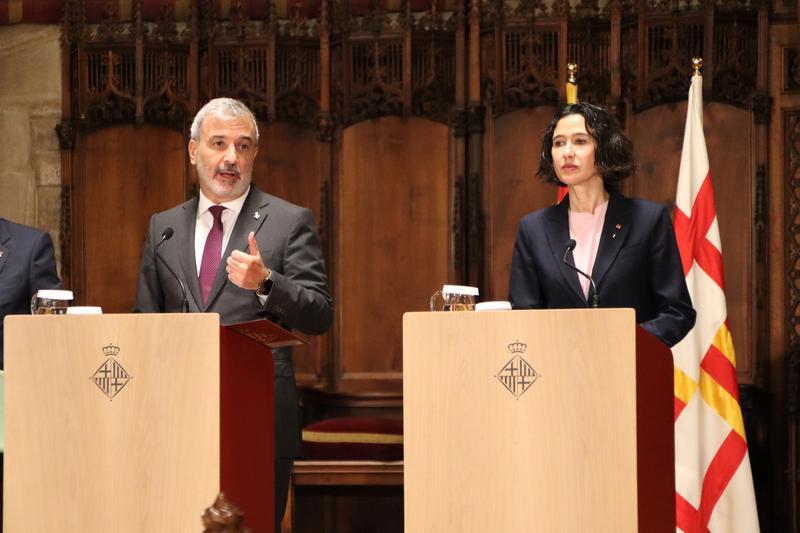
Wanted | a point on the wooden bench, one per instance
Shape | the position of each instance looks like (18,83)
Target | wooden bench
(338,473)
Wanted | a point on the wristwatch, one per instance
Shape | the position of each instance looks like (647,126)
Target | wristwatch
(265,286)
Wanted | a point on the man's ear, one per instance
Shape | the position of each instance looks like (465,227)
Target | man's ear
(192,147)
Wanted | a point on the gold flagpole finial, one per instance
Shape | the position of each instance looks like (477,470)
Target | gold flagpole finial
(572,84)
(697,64)
(573,70)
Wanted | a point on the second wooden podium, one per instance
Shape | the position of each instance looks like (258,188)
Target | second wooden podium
(134,423)
(549,421)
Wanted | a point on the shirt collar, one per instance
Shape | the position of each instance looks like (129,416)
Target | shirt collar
(233,205)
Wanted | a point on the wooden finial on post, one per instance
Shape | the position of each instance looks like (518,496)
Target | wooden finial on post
(223,516)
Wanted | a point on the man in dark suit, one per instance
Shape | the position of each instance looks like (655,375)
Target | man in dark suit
(241,253)
(27,264)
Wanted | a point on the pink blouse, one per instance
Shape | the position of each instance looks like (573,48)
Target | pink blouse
(586,228)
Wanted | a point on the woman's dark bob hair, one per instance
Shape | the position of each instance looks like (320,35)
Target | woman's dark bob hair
(613,151)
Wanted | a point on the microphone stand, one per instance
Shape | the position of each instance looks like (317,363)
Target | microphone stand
(595,298)
(167,235)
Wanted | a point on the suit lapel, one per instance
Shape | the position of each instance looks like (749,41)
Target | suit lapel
(5,237)
(615,230)
(186,252)
(251,218)
(557,237)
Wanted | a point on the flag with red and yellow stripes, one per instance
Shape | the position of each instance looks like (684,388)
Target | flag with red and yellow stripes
(714,484)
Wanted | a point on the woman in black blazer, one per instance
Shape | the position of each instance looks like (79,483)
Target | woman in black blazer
(626,245)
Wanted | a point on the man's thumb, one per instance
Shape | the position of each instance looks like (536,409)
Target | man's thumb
(253,245)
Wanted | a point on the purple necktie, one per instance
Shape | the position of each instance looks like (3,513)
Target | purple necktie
(212,252)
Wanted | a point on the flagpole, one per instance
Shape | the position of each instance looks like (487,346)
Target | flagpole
(572,83)
(572,98)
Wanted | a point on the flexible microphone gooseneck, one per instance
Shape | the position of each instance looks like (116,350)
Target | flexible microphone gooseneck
(167,235)
(595,297)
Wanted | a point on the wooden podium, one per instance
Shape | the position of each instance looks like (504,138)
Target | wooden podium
(133,423)
(548,421)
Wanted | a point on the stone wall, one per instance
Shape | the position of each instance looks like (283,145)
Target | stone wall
(30,108)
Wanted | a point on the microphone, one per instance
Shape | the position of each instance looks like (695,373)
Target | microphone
(167,235)
(571,246)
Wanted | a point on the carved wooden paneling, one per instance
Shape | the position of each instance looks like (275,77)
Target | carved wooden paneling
(525,47)
(392,202)
(376,79)
(297,88)
(791,179)
(131,71)
(127,174)
(240,72)
(531,67)
(589,46)
(511,188)
(166,86)
(669,41)
(791,124)
(791,69)
(629,58)
(522,53)
(110,84)
(433,76)
(735,56)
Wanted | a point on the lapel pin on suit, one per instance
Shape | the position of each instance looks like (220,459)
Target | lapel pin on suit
(614,235)
(256,215)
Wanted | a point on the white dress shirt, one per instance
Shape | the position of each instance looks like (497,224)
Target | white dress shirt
(205,220)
